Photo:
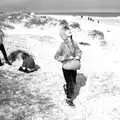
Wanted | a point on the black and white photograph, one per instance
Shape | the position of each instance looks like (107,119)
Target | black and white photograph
(59,60)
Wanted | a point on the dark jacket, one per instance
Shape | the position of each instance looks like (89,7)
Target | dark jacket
(1,36)
(28,63)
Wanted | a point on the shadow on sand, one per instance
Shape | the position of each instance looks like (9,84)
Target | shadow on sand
(81,81)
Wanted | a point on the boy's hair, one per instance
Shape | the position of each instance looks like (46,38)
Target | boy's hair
(66,27)
(13,55)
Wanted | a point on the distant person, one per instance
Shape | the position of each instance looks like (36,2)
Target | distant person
(81,16)
(68,52)
(3,49)
(88,18)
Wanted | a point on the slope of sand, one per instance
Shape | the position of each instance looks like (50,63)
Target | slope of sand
(40,95)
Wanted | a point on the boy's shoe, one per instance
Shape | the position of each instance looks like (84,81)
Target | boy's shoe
(70,102)
(23,69)
(8,63)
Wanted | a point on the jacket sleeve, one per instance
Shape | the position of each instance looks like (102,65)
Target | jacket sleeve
(1,39)
(78,52)
(59,54)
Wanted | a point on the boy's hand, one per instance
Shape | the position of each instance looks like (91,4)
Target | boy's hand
(77,58)
(71,57)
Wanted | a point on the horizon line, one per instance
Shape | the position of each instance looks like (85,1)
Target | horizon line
(82,13)
(60,11)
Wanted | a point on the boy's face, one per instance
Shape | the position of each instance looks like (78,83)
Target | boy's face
(65,34)
(68,33)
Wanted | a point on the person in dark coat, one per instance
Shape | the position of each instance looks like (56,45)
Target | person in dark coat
(28,63)
(2,48)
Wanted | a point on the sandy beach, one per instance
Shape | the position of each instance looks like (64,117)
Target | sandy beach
(39,95)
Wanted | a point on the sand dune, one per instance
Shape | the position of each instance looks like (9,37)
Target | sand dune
(40,95)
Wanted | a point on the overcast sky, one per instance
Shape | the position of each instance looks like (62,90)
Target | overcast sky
(63,5)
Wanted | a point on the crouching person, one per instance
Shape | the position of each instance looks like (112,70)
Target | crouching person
(28,63)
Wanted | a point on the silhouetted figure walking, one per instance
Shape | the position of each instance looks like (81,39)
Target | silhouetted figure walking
(2,48)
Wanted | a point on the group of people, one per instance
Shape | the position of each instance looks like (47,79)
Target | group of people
(68,51)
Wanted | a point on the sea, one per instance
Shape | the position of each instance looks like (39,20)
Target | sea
(109,18)
(100,14)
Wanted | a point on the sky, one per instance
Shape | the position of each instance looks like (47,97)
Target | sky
(62,5)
